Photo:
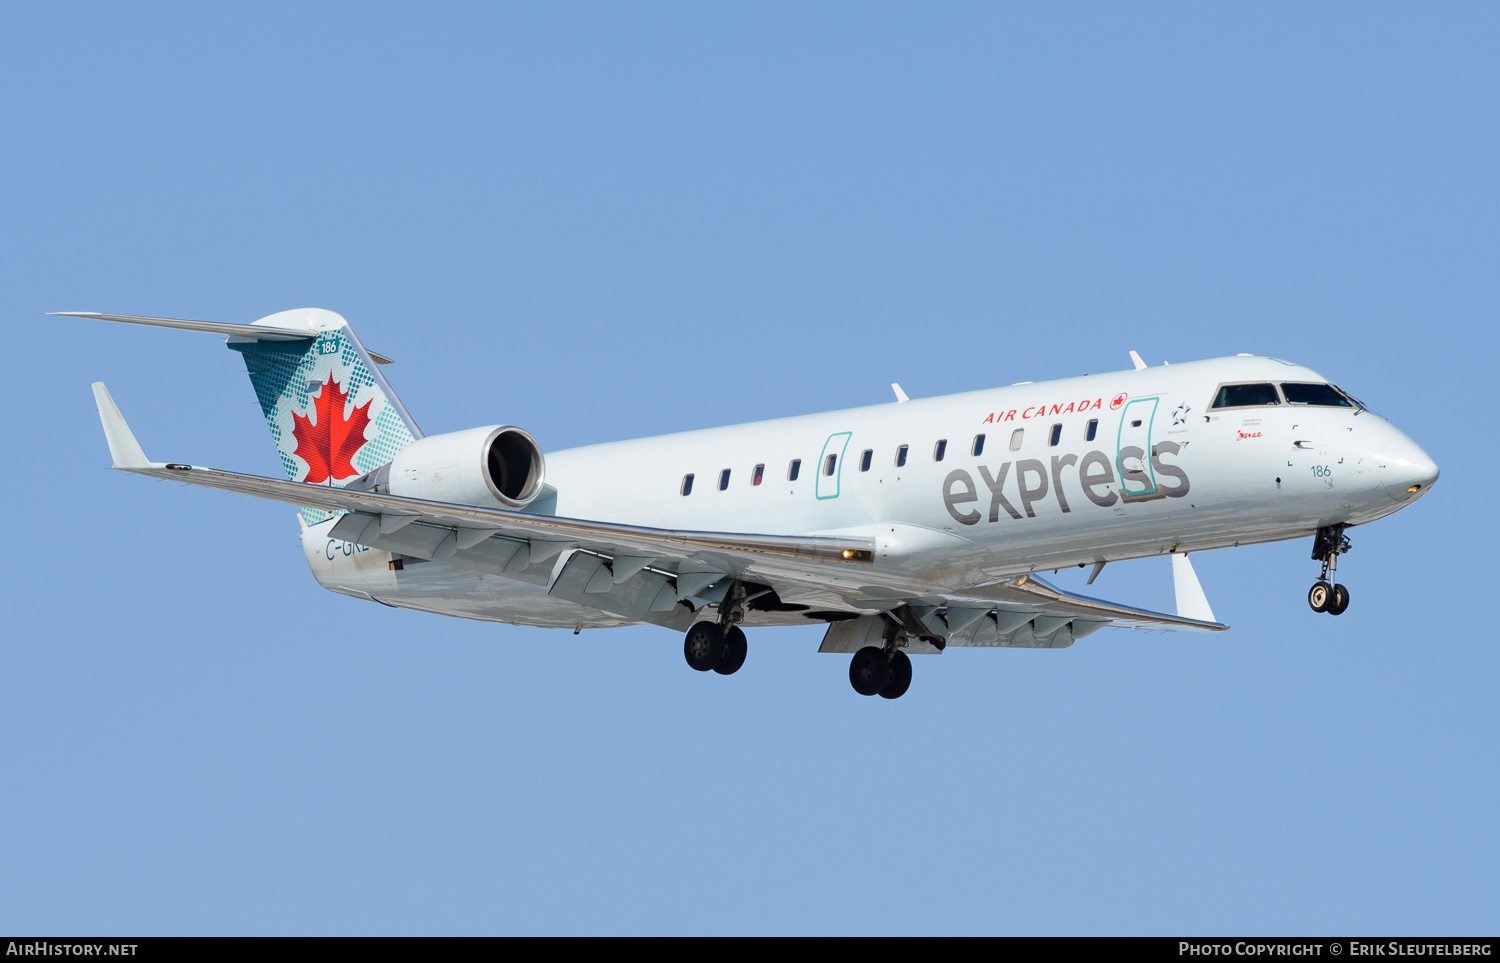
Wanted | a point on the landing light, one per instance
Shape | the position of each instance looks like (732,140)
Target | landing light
(1414,489)
(848,553)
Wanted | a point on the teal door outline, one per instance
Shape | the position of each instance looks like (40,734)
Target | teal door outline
(1140,471)
(828,484)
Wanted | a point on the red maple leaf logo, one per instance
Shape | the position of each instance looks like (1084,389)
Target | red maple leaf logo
(1118,400)
(328,445)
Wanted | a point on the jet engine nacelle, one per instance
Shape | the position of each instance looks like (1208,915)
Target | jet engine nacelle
(495,465)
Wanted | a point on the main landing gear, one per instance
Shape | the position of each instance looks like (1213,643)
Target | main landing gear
(720,646)
(709,647)
(873,671)
(1327,595)
(885,670)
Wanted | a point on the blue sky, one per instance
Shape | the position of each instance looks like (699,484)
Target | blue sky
(604,221)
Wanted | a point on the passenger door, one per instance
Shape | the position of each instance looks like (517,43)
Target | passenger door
(830,464)
(1133,453)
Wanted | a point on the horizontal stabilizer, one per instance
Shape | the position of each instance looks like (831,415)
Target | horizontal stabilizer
(258,332)
(251,332)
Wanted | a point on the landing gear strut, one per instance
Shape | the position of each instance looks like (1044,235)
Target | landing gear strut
(720,646)
(1327,595)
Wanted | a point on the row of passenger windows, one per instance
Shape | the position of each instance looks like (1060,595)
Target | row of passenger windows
(867,457)
(1261,394)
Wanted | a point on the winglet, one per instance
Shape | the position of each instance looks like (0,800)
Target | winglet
(1135,359)
(900,395)
(123,448)
(1191,602)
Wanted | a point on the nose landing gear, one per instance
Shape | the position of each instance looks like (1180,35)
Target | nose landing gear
(1327,595)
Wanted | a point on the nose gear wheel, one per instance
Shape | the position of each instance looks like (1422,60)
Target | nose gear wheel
(1340,600)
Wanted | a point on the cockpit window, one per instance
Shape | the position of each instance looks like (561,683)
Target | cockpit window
(1323,396)
(1357,403)
(1244,396)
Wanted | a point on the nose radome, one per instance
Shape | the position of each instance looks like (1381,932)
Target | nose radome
(1406,471)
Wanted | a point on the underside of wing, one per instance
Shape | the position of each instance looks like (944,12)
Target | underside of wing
(1029,593)
(1025,612)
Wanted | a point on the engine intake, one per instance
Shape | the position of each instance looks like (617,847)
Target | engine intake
(495,465)
(514,466)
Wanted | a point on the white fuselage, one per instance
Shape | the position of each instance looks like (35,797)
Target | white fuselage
(1162,472)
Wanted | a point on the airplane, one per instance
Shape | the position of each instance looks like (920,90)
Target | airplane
(904,527)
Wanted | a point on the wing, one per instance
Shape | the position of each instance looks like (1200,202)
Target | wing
(640,572)
(509,542)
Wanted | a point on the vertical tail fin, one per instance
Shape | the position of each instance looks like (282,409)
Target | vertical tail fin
(331,412)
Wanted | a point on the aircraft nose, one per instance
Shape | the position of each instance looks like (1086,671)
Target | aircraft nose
(1406,471)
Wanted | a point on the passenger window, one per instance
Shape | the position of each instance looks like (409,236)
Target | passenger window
(723,479)
(864,460)
(1056,436)
(687,484)
(1093,429)
(829,464)
(1015,439)
(978,448)
(901,456)
(760,473)
(1242,396)
(1321,396)
(794,469)
(940,449)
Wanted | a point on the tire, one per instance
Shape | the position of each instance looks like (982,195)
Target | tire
(1340,600)
(1319,596)
(900,680)
(735,650)
(869,670)
(703,646)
